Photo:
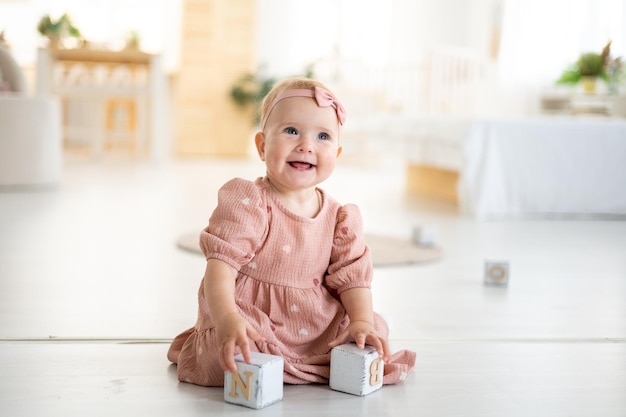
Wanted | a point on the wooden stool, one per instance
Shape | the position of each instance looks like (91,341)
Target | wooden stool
(121,128)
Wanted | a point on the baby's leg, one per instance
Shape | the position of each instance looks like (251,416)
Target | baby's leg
(198,362)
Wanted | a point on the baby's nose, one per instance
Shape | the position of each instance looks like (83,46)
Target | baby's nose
(305,145)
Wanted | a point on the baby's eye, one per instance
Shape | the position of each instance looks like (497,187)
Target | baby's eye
(323,136)
(291,131)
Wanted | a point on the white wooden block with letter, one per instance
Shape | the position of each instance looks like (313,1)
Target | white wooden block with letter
(497,273)
(355,371)
(256,384)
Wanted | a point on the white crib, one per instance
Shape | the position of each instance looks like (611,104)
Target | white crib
(420,110)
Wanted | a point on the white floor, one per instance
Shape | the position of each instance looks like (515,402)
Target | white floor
(92,287)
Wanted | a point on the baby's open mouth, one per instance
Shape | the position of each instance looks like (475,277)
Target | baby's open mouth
(301,165)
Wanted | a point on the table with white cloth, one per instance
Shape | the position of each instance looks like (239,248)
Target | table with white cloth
(544,167)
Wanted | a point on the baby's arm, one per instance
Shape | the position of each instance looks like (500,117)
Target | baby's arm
(358,305)
(231,328)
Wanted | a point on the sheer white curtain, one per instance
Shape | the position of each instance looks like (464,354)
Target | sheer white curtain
(293,34)
(541,37)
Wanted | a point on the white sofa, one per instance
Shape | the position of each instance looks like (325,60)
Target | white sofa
(30,130)
(30,140)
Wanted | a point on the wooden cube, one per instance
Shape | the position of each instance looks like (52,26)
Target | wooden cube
(256,384)
(425,235)
(496,273)
(355,371)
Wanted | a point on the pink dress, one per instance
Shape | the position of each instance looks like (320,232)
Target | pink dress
(291,270)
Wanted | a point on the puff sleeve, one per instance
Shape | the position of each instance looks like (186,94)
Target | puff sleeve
(237,226)
(350,261)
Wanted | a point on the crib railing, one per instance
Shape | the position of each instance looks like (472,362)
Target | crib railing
(443,82)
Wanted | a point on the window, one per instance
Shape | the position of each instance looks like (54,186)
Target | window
(541,38)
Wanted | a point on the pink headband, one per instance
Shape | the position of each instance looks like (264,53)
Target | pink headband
(323,97)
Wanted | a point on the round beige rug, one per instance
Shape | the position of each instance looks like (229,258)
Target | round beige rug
(386,250)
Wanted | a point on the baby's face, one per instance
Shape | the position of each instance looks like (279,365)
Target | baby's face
(300,143)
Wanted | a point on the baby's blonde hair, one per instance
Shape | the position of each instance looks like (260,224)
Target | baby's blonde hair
(294,83)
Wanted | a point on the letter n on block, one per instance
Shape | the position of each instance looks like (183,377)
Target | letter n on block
(256,384)
(356,371)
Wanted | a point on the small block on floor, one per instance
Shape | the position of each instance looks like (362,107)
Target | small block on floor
(497,273)
(256,384)
(355,371)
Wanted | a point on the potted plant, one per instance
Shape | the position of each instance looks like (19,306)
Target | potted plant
(587,69)
(250,89)
(57,30)
(132,40)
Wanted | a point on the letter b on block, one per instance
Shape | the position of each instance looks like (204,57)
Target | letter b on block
(355,371)
(256,384)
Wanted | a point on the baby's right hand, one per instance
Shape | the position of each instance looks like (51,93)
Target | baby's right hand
(233,331)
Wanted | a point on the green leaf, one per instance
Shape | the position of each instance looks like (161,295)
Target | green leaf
(569,76)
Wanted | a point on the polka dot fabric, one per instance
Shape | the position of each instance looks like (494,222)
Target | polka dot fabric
(291,271)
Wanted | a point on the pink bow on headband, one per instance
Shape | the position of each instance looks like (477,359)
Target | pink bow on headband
(324,98)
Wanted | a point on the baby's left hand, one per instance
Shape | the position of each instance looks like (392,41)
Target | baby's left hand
(364,333)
